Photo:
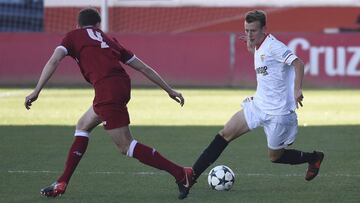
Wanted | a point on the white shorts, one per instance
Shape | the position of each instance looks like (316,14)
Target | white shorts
(280,130)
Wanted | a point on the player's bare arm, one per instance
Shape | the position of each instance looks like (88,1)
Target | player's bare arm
(46,74)
(152,75)
(250,46)
(299,75)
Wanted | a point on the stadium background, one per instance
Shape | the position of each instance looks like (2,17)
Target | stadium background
(190,43)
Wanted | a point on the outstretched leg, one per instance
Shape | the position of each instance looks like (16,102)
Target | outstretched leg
(146,155)
(233,129)
(294,157)
(83,128)
(281,133)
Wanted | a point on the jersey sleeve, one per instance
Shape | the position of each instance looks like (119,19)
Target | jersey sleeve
(68,44)
(282,53)
(125,55)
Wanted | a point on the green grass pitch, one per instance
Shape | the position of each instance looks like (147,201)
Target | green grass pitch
(34,144)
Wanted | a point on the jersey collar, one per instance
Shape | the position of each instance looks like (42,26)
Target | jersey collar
(88,26)
(266,35)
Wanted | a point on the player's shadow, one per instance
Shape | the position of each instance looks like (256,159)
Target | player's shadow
(32,156)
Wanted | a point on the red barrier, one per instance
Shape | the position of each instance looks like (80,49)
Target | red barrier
(331,60)
(23,56)
(182,59)
(207,19)
(189,59)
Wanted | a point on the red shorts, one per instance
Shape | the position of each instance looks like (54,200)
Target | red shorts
(111,97)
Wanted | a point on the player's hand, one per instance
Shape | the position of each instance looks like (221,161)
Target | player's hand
(30,99)
(177,97)
(242,37)
(249,44)
(298,98)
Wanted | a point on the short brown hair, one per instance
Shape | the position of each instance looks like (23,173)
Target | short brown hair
(256,15)
(88,16)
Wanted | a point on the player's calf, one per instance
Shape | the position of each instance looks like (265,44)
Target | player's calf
(292,156)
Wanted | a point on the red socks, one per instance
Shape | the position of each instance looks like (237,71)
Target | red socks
(151,157)
(76,152)
(143,153)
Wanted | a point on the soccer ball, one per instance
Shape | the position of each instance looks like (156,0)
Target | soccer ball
(221,178)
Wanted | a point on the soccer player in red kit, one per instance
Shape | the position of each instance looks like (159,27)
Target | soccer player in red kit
(98,58)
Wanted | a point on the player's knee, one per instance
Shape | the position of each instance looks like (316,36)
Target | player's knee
(123,148)
(123,151)
(226,135)
(82,133)
(81,125)
(275,158)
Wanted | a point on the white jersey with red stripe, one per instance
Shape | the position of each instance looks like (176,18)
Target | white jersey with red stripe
(275,77)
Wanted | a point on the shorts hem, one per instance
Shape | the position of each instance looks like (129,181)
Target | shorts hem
(276,148)
(111,127)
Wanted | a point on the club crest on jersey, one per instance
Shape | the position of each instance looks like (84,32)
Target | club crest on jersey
(262,57)
(262,70)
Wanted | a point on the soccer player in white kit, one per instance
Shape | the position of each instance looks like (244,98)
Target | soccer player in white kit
(279,74)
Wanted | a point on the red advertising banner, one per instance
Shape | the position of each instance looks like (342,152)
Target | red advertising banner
(194,59)
(331,59)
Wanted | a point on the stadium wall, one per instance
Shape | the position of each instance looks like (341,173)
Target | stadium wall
(191,59)
(208,19)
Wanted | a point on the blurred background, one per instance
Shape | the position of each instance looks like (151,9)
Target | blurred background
(190,42)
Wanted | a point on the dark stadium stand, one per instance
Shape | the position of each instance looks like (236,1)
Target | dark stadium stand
(21,15)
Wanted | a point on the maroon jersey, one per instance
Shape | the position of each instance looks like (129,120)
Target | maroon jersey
(96,54)
(98,57)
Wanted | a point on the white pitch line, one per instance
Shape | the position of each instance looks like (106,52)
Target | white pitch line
(162,173)
(28,171)
(9,94)
(90,172)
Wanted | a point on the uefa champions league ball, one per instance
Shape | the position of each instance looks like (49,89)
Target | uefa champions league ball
(221,178)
